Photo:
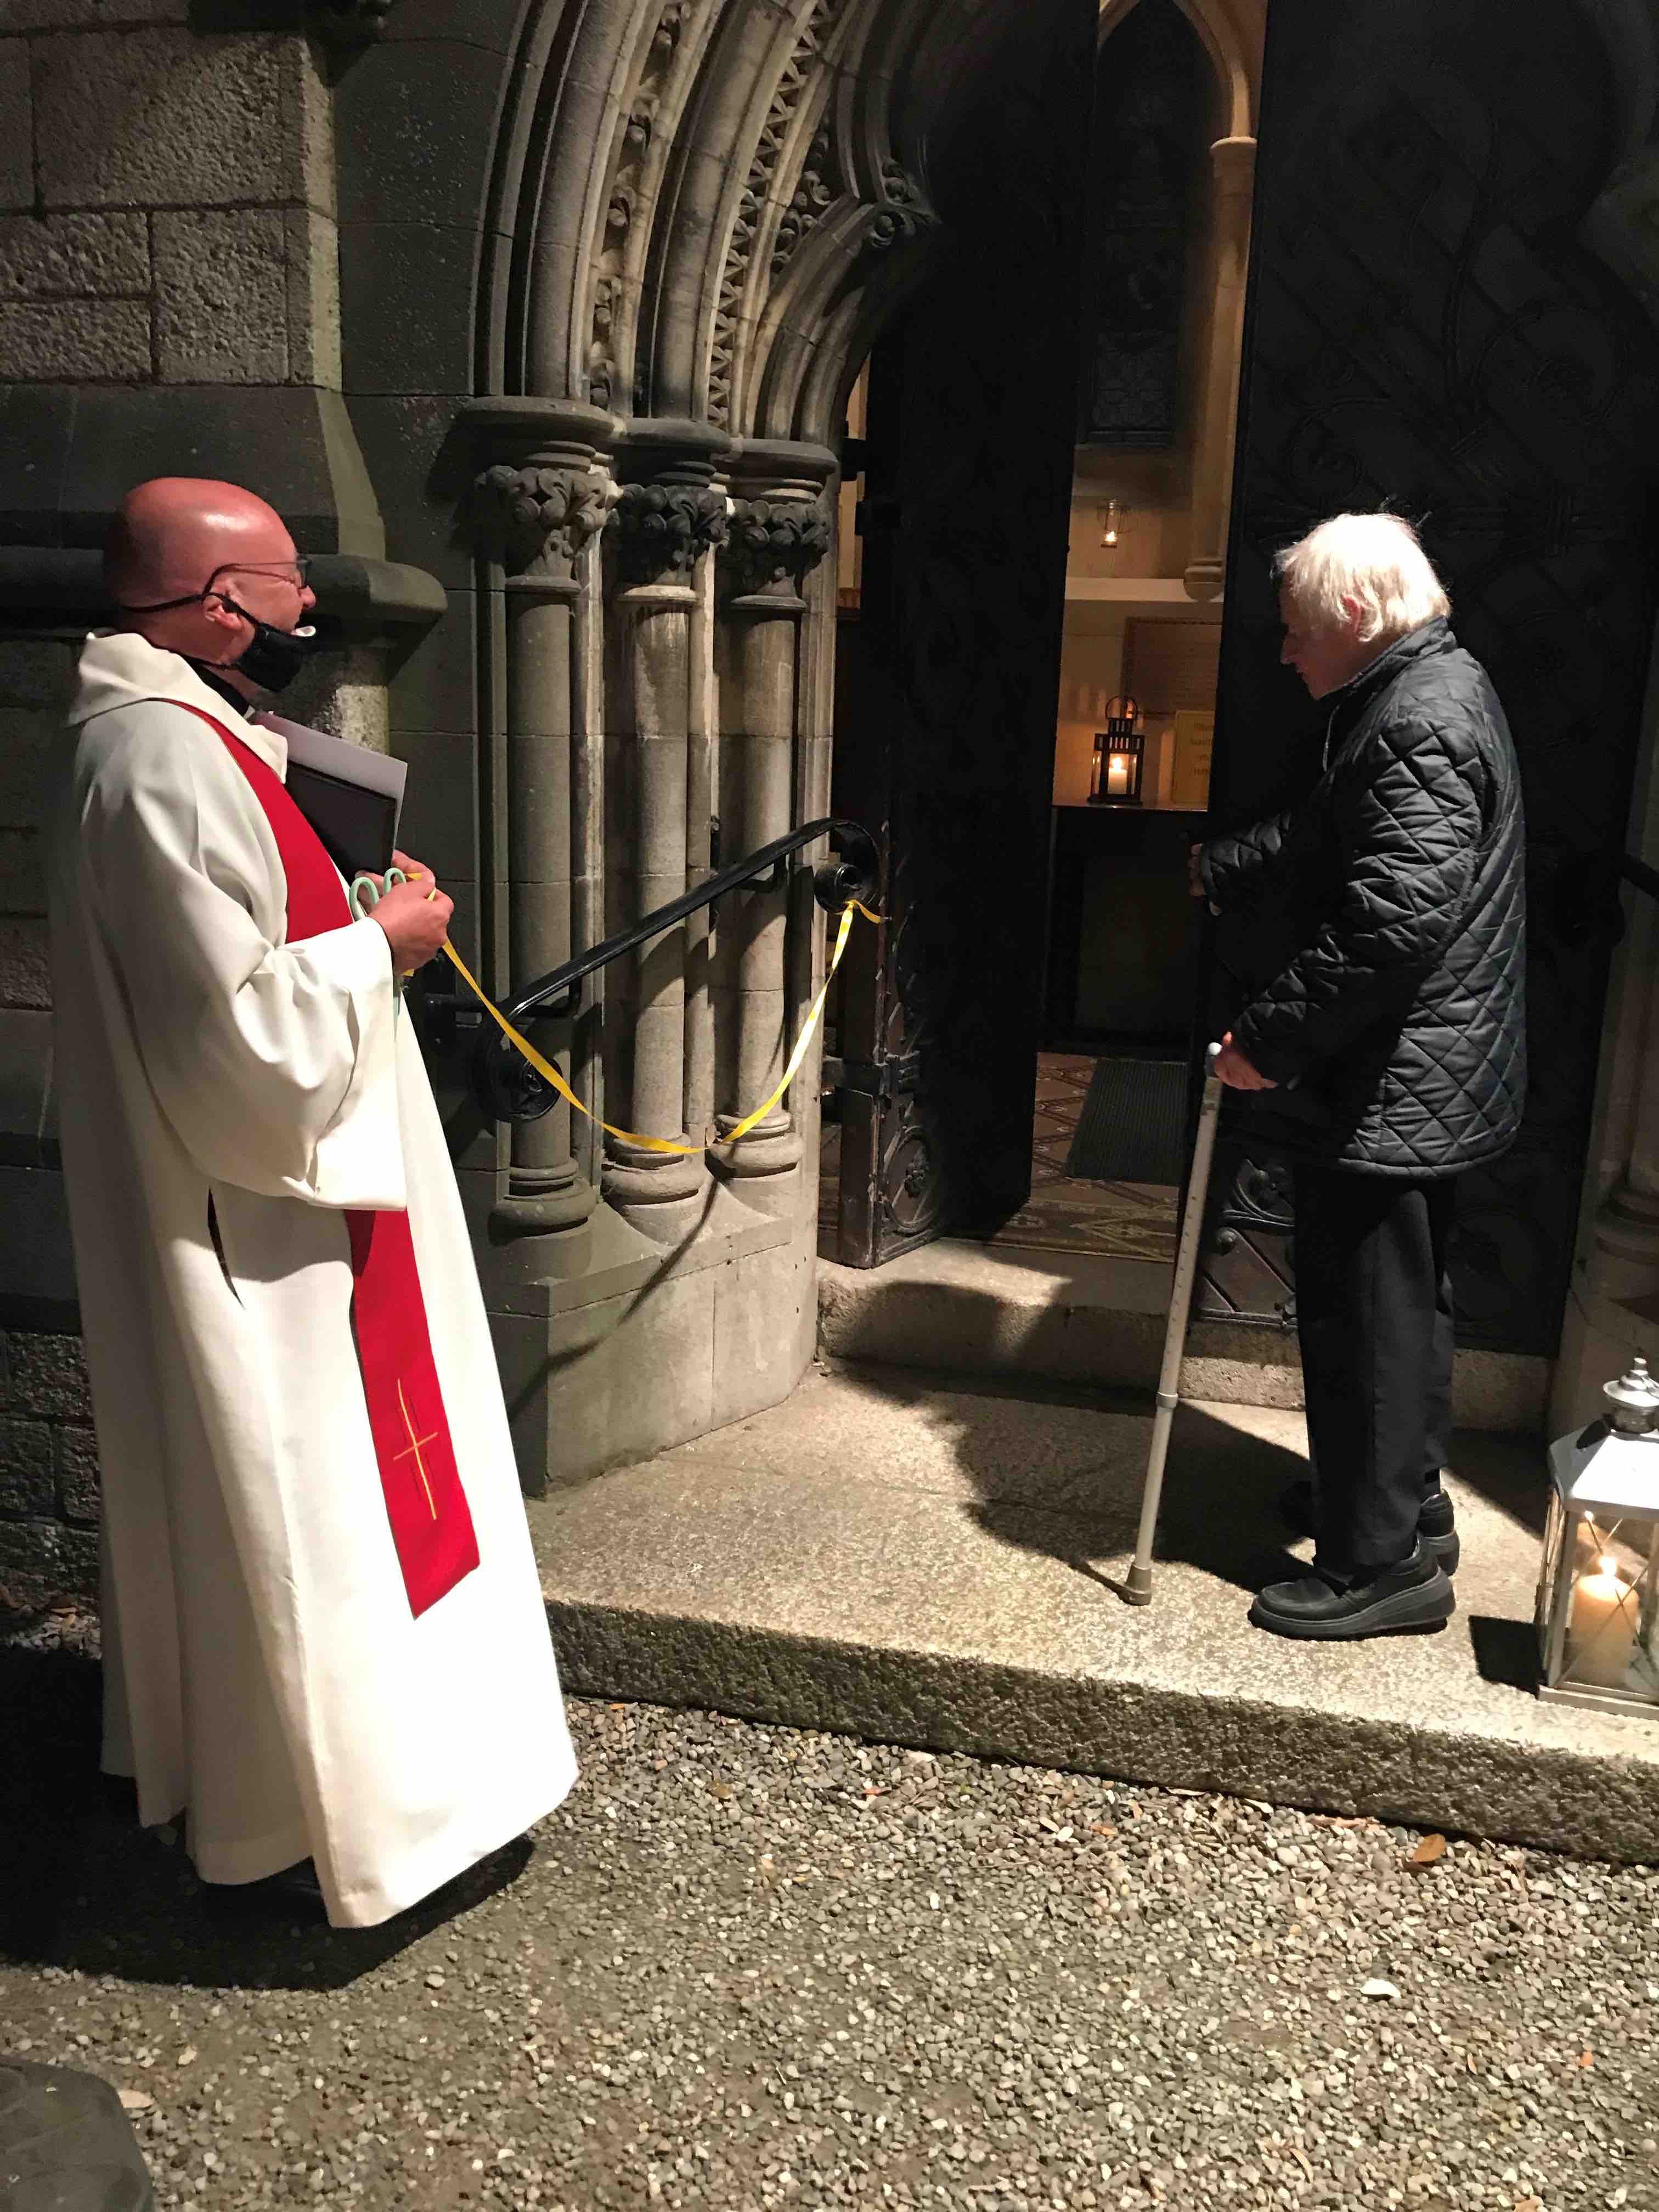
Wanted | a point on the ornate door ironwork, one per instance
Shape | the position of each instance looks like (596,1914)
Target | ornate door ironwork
(1427,331)
(946,732)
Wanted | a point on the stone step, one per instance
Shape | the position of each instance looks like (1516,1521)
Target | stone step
(899,1556)
(1027,1315)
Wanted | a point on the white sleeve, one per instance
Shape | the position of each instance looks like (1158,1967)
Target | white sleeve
(275,1065)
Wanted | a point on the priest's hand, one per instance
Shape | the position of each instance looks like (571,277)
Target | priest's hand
(414,916)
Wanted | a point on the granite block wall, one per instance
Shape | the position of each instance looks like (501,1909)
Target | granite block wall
(48,1474)
(166,201)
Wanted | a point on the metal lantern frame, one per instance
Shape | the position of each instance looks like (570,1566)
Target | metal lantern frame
(1598,1584)
(1120,738)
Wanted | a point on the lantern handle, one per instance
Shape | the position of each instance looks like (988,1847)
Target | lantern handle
(1634,1398)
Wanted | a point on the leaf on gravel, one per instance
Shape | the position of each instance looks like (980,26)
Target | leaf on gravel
(1530,2204)
(1431,1850)
(1587,2059)
(1100,1828)
(135,2101)
(187,2056)
(1376,1987)
(720,1790)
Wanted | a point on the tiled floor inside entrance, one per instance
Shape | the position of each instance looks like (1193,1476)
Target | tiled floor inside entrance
(1064,1213)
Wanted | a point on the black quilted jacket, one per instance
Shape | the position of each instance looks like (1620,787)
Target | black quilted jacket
(1379,927)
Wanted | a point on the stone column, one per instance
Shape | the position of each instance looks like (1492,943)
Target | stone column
(547,508)
(1620,1268)
(779,531)
(665,525)
(1232,165)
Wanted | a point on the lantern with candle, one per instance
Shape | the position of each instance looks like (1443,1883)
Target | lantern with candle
(1119,754)
(1598,1590)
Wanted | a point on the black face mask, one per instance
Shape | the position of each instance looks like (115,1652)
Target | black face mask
(271,657)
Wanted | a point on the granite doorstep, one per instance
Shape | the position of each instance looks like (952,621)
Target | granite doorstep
(917,1560)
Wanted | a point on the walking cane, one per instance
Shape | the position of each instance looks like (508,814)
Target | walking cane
(1138,1589)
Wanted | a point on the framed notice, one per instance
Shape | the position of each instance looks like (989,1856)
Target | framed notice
(1193,741)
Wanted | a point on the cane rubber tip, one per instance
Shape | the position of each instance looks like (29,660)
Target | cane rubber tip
(1138,1586)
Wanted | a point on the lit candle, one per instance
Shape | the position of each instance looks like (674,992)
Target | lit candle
(1603,1627)
(1117,774)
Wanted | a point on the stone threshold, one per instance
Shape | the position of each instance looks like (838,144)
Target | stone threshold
(1066,1317)
(906,1558)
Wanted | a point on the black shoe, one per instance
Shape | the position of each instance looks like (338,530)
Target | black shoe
(295,1890)
(1328,1607)
(1436,1526)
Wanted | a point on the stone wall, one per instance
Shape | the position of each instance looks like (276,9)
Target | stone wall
(48,1474)
(166,201)
(168,286)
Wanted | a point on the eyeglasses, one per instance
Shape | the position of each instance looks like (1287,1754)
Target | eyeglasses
(282,571)
(294,573)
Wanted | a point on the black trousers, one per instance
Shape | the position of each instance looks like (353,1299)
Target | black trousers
(1374,1312)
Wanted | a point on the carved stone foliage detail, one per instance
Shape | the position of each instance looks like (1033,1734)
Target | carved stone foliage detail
(544,513)
(661,529)
(817,189)
(904,212)
(776,542)
(622,200)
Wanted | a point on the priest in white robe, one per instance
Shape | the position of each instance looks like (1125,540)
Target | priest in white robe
(323,1631)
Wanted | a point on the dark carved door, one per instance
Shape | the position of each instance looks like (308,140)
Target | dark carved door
(1428,331)
(946,727)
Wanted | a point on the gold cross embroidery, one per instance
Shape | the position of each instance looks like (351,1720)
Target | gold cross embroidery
(415,1443)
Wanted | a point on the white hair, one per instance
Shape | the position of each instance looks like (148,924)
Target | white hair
(1374,559)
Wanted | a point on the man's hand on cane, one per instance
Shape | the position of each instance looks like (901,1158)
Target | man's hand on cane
(1237,1073)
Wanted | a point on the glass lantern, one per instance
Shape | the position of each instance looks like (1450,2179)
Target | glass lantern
(1598,1587)
(1120,755)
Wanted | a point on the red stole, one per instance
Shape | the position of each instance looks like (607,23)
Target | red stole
(425,1504)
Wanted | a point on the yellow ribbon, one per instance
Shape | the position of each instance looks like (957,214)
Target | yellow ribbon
(549,1073)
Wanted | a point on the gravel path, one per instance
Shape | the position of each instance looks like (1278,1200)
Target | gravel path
(748,1967)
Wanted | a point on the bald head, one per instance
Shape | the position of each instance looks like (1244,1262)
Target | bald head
(171,534)
(173,537)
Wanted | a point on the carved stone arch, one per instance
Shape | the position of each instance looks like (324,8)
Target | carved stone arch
(1233,57)
(1628,31)
(791,178)
(841,259)
(1622,227)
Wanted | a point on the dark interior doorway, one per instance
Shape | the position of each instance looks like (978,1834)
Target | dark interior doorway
(1428,330)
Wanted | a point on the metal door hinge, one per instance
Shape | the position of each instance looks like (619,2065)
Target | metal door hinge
(879,1079)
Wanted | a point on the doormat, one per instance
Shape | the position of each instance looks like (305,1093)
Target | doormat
(1133,1123)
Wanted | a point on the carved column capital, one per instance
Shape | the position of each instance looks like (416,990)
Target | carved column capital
(774,543)
(662,527)
(543,512)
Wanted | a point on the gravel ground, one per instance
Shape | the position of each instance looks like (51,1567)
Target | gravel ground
(748,1967)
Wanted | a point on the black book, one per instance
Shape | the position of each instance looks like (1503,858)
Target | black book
(352,797)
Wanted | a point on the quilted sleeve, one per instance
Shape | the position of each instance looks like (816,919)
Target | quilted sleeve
(1231,866)
(1408,819)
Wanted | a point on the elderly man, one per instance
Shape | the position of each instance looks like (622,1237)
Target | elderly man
(1381,924)
(324,1635)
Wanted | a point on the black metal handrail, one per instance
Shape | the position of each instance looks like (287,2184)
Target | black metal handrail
(834,886)
(1639,874)
(509,1089)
